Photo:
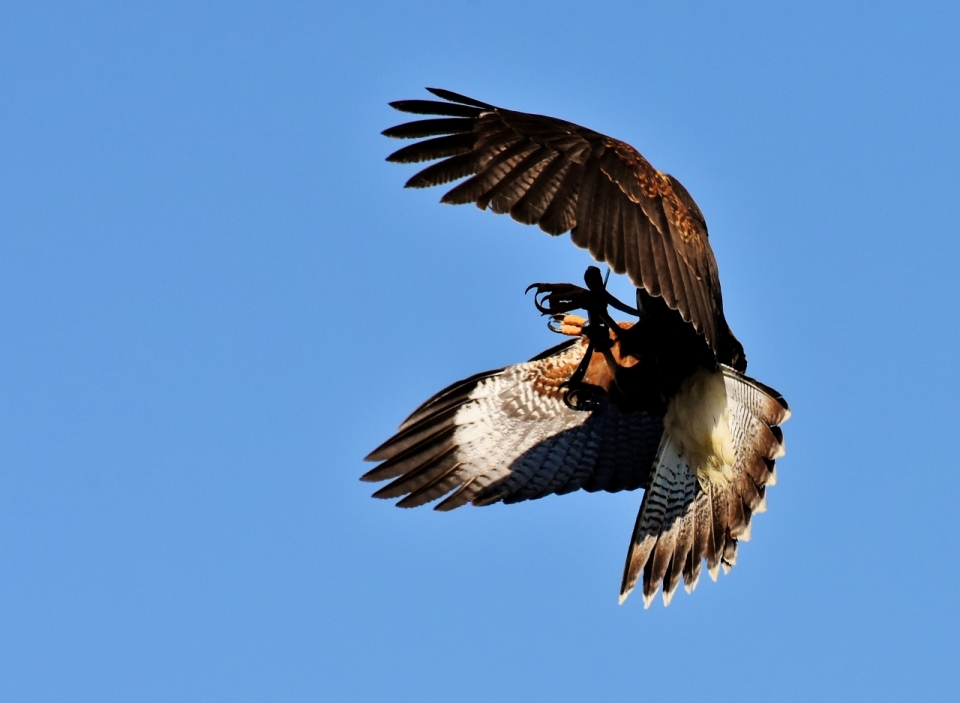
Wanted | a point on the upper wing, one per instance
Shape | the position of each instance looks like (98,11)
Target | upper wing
(562,176)
(507,435)
(683,521)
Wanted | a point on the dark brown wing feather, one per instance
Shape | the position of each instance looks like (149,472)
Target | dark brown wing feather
(565,177)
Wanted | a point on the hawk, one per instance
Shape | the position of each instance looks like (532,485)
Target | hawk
(660,403)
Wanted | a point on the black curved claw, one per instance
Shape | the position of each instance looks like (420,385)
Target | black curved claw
(558,298)
(582,397)
(554,324)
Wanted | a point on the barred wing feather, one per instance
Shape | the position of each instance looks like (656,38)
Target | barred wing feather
(507,435)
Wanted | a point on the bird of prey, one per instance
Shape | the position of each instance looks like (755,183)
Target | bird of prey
(660,403)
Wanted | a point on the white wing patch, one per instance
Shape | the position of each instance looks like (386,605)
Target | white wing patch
(507,435)
(506,419)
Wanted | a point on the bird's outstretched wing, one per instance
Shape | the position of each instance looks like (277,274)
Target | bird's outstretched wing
(565,177)
(683,520)
(507,435)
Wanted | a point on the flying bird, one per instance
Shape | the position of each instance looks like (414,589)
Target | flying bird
(660,403)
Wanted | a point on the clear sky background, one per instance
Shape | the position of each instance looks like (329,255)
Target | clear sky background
(216,298)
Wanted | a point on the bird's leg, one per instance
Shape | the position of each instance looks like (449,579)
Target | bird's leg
(604,324)
(600,298)
(579,395)
(600,329)
(557,300)
(597,329)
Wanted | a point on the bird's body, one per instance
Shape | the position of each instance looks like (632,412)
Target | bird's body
(661,403)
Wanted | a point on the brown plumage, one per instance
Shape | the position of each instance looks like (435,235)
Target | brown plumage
(660,404)
(564,177)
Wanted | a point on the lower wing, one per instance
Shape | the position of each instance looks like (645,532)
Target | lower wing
(507,435)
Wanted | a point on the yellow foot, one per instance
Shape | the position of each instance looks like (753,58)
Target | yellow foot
(572,325)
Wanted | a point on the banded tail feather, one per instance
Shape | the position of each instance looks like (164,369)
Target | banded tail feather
(713,465)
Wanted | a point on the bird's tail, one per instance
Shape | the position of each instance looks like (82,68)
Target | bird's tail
(688,513)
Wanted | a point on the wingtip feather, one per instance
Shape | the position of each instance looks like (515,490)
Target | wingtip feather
(457,98)
(667,597)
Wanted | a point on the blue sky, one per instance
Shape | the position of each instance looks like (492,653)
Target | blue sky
(216,298)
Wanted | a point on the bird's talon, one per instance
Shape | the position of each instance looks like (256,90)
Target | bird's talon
(558,298)
(581,398)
